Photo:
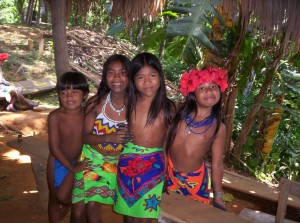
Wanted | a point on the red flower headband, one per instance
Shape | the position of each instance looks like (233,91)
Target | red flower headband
(3,56)
(191,80)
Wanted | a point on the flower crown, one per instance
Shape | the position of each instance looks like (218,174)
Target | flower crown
(191,80)
(3,56)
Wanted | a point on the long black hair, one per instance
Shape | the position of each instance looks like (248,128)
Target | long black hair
(189,106)
(103,88)
(160,102)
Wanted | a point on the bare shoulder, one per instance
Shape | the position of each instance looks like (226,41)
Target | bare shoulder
(53,115)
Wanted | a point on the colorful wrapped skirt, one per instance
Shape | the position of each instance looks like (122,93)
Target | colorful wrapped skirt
(99,183)
(140,181)
(194,185)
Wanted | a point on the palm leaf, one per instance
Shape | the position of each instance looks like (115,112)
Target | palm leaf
(193,25)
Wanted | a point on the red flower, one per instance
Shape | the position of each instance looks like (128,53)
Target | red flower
(3,56)
(190,81)
(137,166)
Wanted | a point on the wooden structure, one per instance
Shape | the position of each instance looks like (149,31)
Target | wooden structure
(247,185)
(287,188)
(38,151)
(35,86)
(177,208)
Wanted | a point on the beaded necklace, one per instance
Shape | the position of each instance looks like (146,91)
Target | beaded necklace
(113,107)
(190,123)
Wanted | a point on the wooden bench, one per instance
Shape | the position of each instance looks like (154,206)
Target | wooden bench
(177,208)
(250,186)
(34,86)
(38,151)
(286,188)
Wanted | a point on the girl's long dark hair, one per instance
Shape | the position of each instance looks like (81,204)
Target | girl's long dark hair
(103,88)
(189,106)
(160,102)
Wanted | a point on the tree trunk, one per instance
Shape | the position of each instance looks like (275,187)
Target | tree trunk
(230,65)
(59,18)
(29,12)
(38,16)
(247,126)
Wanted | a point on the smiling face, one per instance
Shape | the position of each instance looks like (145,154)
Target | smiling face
(147,81)
(207,95)
(71,99)
(116,77)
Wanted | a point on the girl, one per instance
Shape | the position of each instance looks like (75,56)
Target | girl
(141,166)
(195,129)
(104,133)
(64,132)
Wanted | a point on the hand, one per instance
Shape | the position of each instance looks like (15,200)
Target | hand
(122,135)
(81,166)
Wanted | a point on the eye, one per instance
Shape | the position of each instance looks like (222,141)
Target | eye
(75,92)
(201,88)
(110,73)
(124,73)
(214,86)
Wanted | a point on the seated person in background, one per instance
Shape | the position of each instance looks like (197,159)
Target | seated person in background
(12,94)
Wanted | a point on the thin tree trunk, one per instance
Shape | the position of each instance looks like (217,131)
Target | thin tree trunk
(230,65)
(59,18)
(29,12)
(248,124)
(38,16)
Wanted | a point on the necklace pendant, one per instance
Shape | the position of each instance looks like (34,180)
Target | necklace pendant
(187,131)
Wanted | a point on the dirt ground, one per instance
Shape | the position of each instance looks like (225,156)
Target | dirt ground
(18,189)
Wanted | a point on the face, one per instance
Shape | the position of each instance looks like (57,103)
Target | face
(207,95)
(147,81)
(116,77)
(71,99)
(2,62)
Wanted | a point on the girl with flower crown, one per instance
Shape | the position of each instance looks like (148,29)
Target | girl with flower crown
(196,129)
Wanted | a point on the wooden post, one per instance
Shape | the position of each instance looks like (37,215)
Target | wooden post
(41,44)
(30,44)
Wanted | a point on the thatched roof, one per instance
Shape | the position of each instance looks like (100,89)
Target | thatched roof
(133,11)
(272,17)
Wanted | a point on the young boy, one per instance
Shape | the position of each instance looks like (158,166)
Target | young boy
(65,129)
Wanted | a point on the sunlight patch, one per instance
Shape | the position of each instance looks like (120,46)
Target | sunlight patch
(30,192)
(15,155)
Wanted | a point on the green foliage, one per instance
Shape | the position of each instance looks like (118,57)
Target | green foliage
(173,68)
(193,22)
(8,12)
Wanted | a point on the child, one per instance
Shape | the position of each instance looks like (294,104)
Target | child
(12,94)
(104,133)
(196,128)
(65,129)
(141,165)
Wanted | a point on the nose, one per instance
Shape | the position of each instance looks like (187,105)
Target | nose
(69,94)
(208,90)
(147,79)
(117,75)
